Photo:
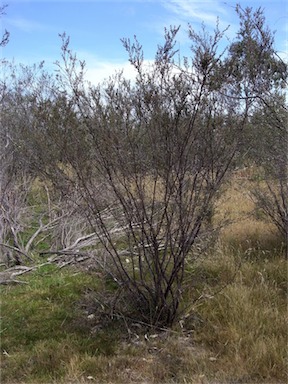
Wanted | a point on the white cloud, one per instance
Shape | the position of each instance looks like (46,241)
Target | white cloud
(99,69)
(204,11)
(26,25)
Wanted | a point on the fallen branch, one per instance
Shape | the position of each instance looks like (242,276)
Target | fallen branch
(8,276)
(12,281)
(16,250)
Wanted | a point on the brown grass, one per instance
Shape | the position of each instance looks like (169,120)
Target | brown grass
(248,227)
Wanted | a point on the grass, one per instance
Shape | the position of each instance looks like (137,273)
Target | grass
(245,324)
(42,325)
(232,327)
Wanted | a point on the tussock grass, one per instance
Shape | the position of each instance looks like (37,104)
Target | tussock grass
(232,327)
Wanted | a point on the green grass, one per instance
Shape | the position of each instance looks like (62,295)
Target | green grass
(43,325)
(235,333)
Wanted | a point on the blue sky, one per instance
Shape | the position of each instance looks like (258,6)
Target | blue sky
(95,27)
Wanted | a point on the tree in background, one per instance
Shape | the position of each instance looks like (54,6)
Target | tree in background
(270,154)
(34,131)
(261,76)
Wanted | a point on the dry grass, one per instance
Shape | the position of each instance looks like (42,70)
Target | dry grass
(248,226)
(245,325)
(232,330)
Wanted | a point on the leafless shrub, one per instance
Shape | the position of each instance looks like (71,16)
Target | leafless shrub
(143,161)
(160,148)
(5,37)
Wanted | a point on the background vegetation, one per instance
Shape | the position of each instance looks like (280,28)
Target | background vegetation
(143,225)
